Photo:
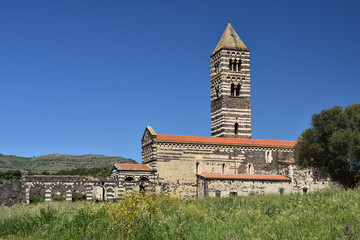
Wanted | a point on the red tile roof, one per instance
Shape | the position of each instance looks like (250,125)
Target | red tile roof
(133,166)
(246,177)
(225,141)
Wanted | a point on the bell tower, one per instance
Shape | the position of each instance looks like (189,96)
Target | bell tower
(230,87)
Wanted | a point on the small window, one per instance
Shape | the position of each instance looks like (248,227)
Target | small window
(230,65)
(232,89)
(197,168)
(218,194)
(223,169)
(236,127)
(233,194)
(281,190)
(217,91)
(305,190)
(250,168)
(238,88)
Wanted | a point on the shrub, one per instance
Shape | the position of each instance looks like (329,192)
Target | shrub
(34,199)
(78,197)
(59,199)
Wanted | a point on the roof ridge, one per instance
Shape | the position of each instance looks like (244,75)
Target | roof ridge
(231,141)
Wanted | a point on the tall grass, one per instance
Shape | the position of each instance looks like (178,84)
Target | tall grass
(322,215)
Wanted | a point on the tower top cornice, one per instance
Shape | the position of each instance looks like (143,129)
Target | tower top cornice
(230,40)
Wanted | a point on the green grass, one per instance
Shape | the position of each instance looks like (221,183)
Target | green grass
(322,215)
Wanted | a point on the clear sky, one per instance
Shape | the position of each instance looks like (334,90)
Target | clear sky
(87,77)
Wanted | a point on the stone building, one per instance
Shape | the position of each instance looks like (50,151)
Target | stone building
(229,162)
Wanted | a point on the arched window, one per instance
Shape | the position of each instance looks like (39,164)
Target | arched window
(239,65)
(143,179)
(128,179)
(235,66)
(268,156)
(250,168)
(223,169)
(217,91)
(238,88)
(216,65)
(236,126)
(232,89)
(197,168)
(305,190)
(230,65)
(281,190)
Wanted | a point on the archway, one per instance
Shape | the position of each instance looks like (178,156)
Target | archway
(99,193)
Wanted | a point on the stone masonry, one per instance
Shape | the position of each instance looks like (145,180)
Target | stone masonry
(230,87)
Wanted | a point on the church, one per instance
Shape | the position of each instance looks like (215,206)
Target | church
(229,162)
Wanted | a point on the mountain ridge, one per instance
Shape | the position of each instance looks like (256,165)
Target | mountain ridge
(56,162)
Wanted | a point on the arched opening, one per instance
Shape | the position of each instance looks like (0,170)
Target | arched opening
(250,169)
(142,189)
(223,169)
(129,179)
(281,190)
(197,168)
(305,190)
(37,193)
(236,127)
(217,91)
(239,65)
(230,65)
(232,89)
(144,179)
(99,193)
(238,88)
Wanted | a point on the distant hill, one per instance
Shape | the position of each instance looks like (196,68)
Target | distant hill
(56,162)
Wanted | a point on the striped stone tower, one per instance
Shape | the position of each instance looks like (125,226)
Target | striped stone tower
(230,87)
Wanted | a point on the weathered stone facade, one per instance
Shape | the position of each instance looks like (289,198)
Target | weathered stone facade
(49,187)
(181,161)
(230,87)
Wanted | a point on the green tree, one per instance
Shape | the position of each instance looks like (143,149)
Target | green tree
(332,145)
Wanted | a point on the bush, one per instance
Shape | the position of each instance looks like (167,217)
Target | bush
(34,199)
(59,199)
(78,197)
(9,176)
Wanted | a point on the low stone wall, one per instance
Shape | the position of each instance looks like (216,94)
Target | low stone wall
(50,187)
(11,193)
(224,188)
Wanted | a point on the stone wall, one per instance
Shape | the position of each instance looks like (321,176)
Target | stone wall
(306,180)
(229,108)
(178,163)
(11,193)
(209,188)
(49,187)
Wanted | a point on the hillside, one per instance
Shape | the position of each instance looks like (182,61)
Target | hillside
(57,162)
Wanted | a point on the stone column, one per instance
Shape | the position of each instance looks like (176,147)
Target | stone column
(27,194)
(89,193)
(47,194)
(68,195)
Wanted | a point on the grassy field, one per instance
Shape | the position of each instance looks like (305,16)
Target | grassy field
(323,215)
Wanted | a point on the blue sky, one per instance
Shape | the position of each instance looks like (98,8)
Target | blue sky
(87,77)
